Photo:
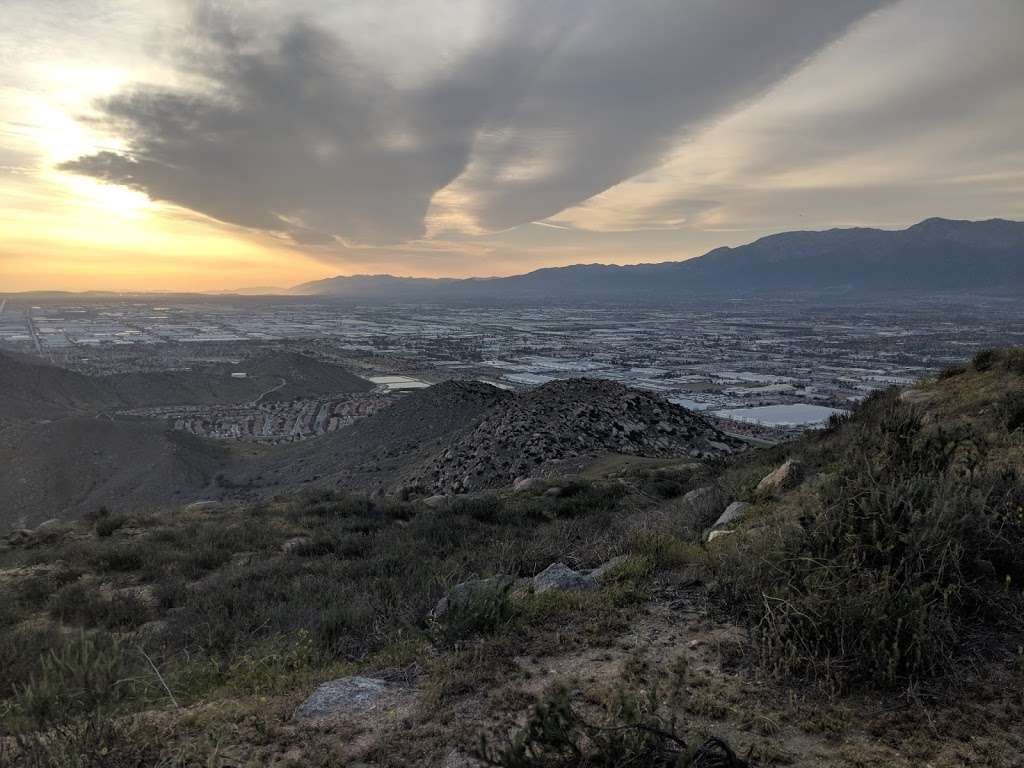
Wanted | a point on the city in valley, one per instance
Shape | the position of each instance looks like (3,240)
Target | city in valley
(759,368)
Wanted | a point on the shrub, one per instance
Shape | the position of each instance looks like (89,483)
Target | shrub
(1011,360)
(484,609)
(108,524)
(120,557)
(951,372)
(985,359)
(1012,410)
(86,674)
(85,606)
(94,742)
(904,550)
(558,736)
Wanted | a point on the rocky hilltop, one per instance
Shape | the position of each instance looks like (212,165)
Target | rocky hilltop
(540,430)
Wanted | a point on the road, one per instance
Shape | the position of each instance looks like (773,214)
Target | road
(272,389)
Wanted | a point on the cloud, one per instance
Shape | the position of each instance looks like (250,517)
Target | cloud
(912,114)
(293,134)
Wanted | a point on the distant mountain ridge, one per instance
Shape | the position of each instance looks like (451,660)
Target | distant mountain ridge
(935,255)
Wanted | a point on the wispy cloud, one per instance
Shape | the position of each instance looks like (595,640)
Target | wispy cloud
(294,134)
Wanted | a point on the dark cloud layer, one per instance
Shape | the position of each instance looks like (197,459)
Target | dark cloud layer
(560,101)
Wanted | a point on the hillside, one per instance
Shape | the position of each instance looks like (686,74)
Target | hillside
(372,452)
(33,389)
(460,436)
(848,600)
(933,255)
(272,375)
(72,466)
(565,422)
(30,388)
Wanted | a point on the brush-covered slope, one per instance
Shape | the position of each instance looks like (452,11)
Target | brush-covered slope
(899,554)
(371,452)
(32,389)
(272,375)
(571,420)
(73,466)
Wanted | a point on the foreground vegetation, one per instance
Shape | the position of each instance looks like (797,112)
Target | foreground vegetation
(892,568)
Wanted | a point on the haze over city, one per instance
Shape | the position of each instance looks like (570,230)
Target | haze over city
(199,146)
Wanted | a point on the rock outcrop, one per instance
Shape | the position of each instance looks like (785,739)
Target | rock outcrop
(787,476)
(345,696)
(462,594)
(559,576)
(522,436)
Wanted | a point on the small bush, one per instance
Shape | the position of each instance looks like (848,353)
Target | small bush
(951,372)
(1012,410)
(557,735)
(985,359)
(84,675)
(484,609)
(106,525)
(665,551)
(119,558)
(82,605)
(1010,360)
(94,742)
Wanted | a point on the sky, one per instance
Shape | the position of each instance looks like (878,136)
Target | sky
(194,145)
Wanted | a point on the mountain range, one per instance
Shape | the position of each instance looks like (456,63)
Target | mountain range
(935,255)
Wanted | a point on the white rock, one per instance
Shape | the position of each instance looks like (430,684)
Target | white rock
(561,576)
(733,512)
(205,505)
(603,570)
(523,484)
(786,476)
(346,695)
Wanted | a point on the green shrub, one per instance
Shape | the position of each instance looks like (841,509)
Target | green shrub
(86,674)
(1012,411)
(82,605)
(664,551)
(1011,360)
(93,742)
(905,550)
(557,735)
(108,524)
(484,609)
(985,359)
(120,558)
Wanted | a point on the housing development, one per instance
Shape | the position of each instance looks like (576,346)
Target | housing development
(764,368)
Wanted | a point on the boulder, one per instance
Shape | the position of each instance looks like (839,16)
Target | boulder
(204,505)
(458,759)
(603,570)
(19,537)
(49,531)
(435,501)
(697,495)
(785,477)
(524,484)
(346,695)
(562,577)
(462,593)
(733,512)
(294,545)
(239,559)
